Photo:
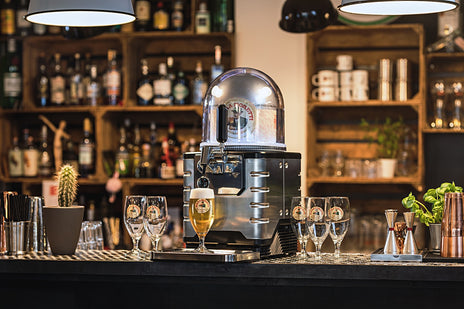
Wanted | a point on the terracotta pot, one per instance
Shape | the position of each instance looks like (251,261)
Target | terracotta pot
(63,226)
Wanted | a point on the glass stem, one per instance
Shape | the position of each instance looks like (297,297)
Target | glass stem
(303,247)
(135,244)
(155,244)
(202,247)
(318,251)
(337,249)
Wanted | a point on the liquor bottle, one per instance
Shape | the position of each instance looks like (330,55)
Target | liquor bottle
(7,17)
(217,68)
(174,145)
(136,153)
(160,17)
(15,159)
(43,83)
(122,155)
(12,77)
(87,151)
(199,85)
(177,16)
(162,87)
(70,155)
(57,84)
(145,167)
(30,157)
(219,12)
(23,27)
(202,19)
(143,14)
(39,29)
(180,89)
(45,154)
(76,95)
(171,71)
(166,166)
(129,135)
(93,89)
(113,80)
(144,85)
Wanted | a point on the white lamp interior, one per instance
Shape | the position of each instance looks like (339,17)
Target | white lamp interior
(397,7)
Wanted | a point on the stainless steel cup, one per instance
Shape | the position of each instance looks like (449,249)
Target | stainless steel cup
(37,237)
(17,236)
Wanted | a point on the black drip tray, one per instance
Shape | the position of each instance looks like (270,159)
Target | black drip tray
(437,258)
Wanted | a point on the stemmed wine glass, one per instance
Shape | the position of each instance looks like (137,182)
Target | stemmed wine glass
(299,224)
(201,213)
(339,220)
(317,221)
(155,218)
(134,208)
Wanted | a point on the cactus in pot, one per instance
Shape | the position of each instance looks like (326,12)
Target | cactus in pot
(67,185)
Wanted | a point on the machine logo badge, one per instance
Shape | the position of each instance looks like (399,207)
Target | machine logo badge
(316,213)
(202,206)
(241,118)
(133,211)
(299,213)
(336,213)
(153,212)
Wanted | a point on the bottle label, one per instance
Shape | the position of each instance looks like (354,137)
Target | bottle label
(43,87)
(12,84)
(153,212)
(299,213)
(31,162)
(113,82)
(45,164)
(93,92)
(216,70)
(15,163)
(8,21)
(177,20)
(180,91)
(202,206)
(160,20)
(57,89)
(162,87)
(202,23)
(86,155)
(77,91)
(142,10)
(145,91)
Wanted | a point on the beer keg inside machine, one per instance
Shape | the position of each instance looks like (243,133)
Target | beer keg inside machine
(243,159)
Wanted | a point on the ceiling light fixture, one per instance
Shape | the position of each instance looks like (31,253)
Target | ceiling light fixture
(397,7)
(80,13)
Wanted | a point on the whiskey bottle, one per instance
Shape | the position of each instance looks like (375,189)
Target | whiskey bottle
(113,80)
(76,96)
(162,87)
(171,71)
(202,19)
(154,153)
(87,151)
(7,18)
(93,89)
(166,167)
(199,85)
(145,167)
(143,14)
(144,86)
(136,153)
(122,155)
(177,16)
(57,84)
(180,89)
(12,77)
(43,83)
(15,159)
(217,68)
(160,17)
(30,157)
(45,154)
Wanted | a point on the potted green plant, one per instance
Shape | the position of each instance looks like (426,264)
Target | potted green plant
(387,137)
(63,222)
(431,218)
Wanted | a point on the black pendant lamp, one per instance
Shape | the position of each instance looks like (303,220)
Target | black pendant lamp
(299,16)
(397,7)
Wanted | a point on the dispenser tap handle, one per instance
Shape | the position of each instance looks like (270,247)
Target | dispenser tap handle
(222,112)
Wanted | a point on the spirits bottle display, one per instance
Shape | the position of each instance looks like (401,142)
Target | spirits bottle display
(136,153)
(144,86)
(217,68)
(30,158)
(162,87)
(57,83)
(23,27)
(180,89)
(456,99)
(438,100)
(202,19)
(177,16)
(113,80)
(12,77)
(219,15)
(153,142)
(166,167)
(122,155)
(87,151)
(199,85)
(143,14)
(160,17)
(7,17)
(171,71)
(45,154)
(93,89)
(76,96)
(145,167)
(15,159)
(43,83)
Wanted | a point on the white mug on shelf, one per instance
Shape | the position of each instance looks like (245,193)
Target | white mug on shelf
(346,93)
(325,94)
(325,78)
(344,62)
(360,93)
(360,78)
(346,79)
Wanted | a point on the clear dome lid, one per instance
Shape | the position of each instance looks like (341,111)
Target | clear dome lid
(254,118)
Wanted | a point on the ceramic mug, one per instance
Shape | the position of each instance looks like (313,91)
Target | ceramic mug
(361,78)
(325,94)
(346,79)
(346,93)
(325,78)
(344,62)
(360,93)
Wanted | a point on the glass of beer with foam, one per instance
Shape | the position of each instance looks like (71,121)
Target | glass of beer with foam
(201,213)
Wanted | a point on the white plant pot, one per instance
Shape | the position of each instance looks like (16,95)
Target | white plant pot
(386,168)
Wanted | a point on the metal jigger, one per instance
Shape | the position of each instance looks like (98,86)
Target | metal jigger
(409,242)
(390,244)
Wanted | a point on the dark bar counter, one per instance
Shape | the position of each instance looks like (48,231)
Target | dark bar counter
(106,279)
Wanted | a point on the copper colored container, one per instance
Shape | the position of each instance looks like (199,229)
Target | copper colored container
(452,225)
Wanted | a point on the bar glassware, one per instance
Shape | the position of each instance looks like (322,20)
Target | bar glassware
(299,223)
(317,221)
(339,220)
(134,208)
(201,213)
(155,218)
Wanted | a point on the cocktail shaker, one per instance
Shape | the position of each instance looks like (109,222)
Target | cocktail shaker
(452,225)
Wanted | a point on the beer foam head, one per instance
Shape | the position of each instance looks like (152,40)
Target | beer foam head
(202,193)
